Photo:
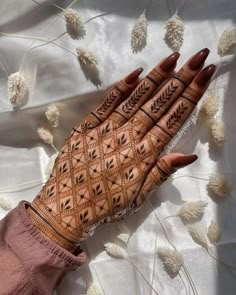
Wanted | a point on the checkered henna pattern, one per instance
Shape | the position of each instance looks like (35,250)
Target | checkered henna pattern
(110,161)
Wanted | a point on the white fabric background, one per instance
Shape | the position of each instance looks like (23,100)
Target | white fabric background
(55,76)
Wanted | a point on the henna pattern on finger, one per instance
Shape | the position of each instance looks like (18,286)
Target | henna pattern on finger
(164,97)
(107,103)
(135,97)
(176,116)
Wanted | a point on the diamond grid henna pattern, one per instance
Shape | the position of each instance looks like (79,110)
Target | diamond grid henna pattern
(96,174)
(109,163)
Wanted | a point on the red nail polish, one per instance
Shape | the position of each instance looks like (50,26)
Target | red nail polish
(170,62)
(184,161)
(205,75)
(197,61)
(133,76)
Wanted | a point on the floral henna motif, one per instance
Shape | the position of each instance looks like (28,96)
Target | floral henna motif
(164,97)
(177,115)
(135,97)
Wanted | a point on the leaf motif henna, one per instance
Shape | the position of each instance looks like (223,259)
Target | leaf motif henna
(164,97)
(110,164)
(97,190)
(129,174)
(65,206)
(116,202)
(106,129)
(141,149)
(122,139)
(83,217)
(50,191)
(107,103)
(176,116)
(92,155)
(80,179)
(75,146)
(135,97)
(63,168)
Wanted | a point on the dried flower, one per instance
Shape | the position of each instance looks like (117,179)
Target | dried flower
(209,107)
(52,113)
(115,250)
(17,89)
(197,236)
(86,57)
(139,34)
(93,290)
(45,135)
(174,36)
(193,210)
(227,42)
(219,185)
(171,259)
(214,233)
(50,164)
(6,203)
(124,238)
(218,131)
(74,24)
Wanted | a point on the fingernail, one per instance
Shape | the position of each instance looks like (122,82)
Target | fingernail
(133,76)
(170,62)
(183,161)
(198,59)
(205,75)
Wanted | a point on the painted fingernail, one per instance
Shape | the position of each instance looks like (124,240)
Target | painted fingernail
(133,76)
(205,75)
(184,161)
(170,62)
(198,59)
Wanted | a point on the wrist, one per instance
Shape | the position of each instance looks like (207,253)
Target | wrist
(47,230)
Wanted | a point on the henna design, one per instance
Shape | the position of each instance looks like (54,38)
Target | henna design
(65,206)
(141,149)
(107,103)
(75,146)
(129,174)
(135,97)
(92,155)
(122,139)
(106,129)
(164,97)
(176,116)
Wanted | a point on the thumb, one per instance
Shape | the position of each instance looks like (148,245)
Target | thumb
(176,160)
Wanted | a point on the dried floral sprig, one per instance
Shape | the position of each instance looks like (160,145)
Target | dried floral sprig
(219,185)
(52,113)
(74,24)
(124,238)
(86,57)
(227,42)
(172,260)
(214,233)
(209,107)
(218,131)
(139,34)
(45,135)
(174,35)
(192,211)
(115,250)
(197,235)
(17,89)
(93,290)
(50,164)
(6,203)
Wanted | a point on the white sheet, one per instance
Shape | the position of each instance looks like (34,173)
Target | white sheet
(55,76)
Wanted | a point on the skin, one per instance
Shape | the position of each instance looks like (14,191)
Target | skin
(111,160)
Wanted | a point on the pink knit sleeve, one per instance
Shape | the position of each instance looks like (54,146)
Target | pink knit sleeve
(30,263)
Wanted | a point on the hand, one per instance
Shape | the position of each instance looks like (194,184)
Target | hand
(110,161)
